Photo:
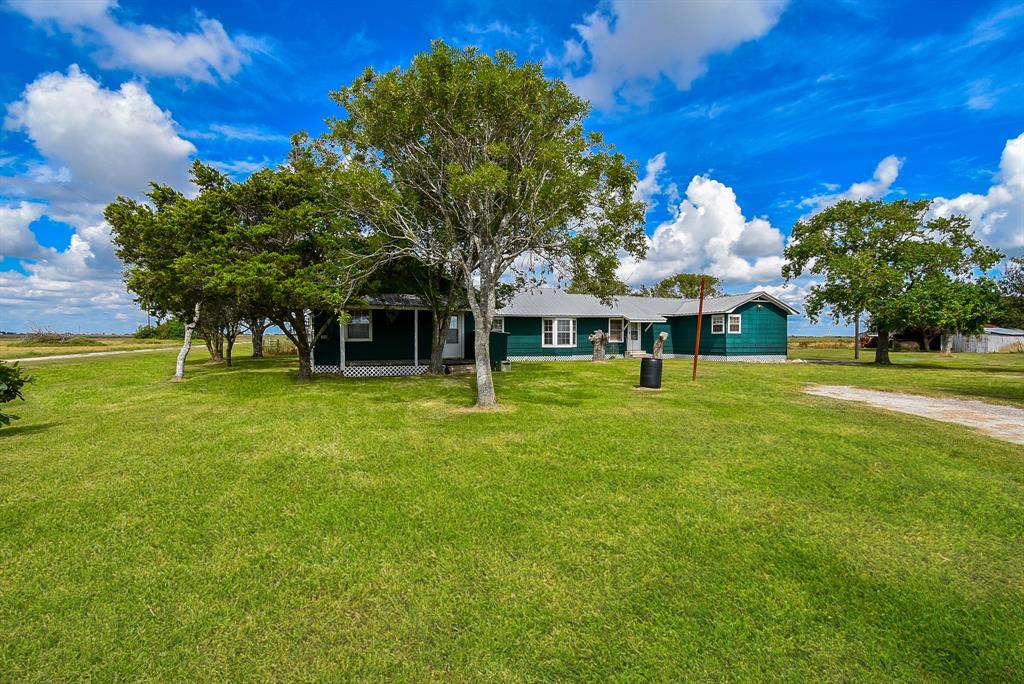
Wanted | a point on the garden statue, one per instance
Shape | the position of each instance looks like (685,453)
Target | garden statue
(598,338)
(659,344)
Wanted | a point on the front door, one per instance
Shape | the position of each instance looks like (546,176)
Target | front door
(453,343)
(633,338)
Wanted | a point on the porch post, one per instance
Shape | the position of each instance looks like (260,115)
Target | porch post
(415,337)
(341,343)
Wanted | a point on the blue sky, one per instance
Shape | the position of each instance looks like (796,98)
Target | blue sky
(744,116)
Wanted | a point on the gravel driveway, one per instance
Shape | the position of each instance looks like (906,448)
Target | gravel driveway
(1002,422)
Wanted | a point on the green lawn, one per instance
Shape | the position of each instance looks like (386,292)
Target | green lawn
(238,526)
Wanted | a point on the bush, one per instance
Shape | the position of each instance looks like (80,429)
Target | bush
(11,382)
(168,330)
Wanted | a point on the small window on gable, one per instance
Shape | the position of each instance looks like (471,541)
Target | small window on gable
(498,324)
(717,324)
(359,327)
(735,324)
(615,330)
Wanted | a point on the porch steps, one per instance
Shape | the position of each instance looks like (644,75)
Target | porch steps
(457,368)
(637,355)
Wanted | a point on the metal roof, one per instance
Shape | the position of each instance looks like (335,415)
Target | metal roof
(1013,332)
(552,302)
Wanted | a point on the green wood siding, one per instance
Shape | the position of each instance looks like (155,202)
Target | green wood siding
(764,331)
(763,328)
(684,330)
(650,331)
(525,338)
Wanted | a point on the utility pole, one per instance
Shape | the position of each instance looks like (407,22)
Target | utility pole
(856,336)
(700,315)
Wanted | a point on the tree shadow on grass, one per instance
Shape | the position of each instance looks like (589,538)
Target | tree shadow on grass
(16,428)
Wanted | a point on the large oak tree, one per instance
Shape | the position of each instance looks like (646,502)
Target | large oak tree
(871,255)
(486,163)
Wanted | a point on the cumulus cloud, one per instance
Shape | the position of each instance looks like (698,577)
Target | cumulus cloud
(626,47)
(206,54)
(709,233)
(879,185)
(998,215)
(16,238)
(95,143)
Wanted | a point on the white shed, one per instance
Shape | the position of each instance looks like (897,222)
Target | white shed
(990,340)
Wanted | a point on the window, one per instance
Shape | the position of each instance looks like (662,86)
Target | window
(453,331)
(558,332)
(360,327)
(717,324)
(614,329)
(498,324)
(735,324)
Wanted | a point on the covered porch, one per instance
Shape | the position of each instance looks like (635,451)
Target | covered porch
(389,337)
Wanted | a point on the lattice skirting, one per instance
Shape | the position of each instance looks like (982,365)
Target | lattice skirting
(748,358)
(572,357)
(372,371)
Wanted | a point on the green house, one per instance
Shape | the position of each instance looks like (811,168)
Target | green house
(391,334)
(547,324)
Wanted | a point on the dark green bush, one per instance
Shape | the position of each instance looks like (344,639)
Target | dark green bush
(11,382)
(168,330)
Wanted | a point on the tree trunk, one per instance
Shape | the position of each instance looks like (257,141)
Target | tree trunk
(482,302)
(947,344)
(257,327)
(186,345)
(485,397)
(927,341)
(856,337)
(227,355)
(305,367)
(214,344)
(438,335)
(882,348)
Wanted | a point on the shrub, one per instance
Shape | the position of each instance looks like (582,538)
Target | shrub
(168,330)
(11,382)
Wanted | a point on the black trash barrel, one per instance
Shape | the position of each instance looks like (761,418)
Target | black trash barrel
(650,373)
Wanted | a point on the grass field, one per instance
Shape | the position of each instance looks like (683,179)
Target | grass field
(238,526)
(15,347)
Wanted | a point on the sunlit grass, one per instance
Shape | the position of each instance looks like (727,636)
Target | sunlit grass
(240,526)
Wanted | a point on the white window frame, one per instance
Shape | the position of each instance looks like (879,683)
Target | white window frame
(369,316)
(739,324)
(622,330)
(554,332)
(718,321)
(498,324)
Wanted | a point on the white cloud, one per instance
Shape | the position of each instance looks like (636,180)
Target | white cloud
(708,233)
(877,187)
(626,47)
(649,185)
(248,133)
(206,54)
(110,141)
(16,238)
(998,215)
(96,144)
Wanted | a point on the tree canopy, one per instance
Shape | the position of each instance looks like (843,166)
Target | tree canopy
(482,164)
(871,255)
